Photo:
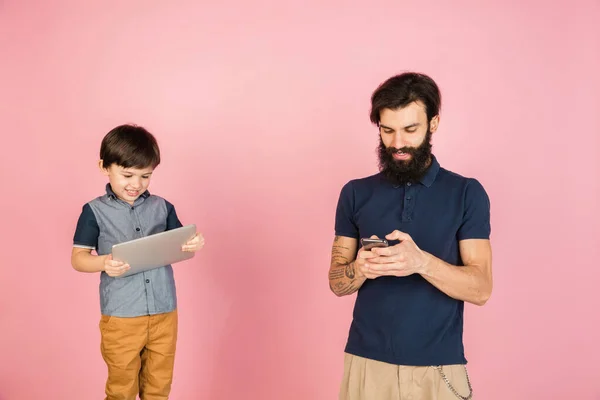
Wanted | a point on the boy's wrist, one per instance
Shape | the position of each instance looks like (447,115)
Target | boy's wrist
(103,259)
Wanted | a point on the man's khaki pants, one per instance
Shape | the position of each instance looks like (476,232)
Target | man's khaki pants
(366,379)
(140,354)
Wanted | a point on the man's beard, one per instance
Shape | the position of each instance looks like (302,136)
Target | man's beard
(401,172)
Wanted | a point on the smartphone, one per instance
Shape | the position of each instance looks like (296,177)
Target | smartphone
(368,244)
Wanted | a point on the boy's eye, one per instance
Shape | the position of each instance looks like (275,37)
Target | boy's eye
(143,177)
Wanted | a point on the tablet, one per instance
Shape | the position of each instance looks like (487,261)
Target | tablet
(154,251)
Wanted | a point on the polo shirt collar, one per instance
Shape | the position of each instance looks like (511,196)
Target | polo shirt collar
(432,172)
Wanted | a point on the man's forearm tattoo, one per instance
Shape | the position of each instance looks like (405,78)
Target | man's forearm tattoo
(347,290)
(342,269)
(337,255)
(343,288)
(343,273)
(349,270)
(336,273)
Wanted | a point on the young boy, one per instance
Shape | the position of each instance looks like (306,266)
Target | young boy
(139,312)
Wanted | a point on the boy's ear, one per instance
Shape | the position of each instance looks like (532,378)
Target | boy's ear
(102,169)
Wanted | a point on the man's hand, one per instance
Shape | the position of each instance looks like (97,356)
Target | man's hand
(363,261)
(114,268)
(194,244)
(403,259)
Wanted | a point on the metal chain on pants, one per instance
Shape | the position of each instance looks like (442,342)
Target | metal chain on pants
(452,389)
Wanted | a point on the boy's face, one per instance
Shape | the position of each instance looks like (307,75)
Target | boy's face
(127,183)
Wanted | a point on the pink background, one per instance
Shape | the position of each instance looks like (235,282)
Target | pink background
(262,113)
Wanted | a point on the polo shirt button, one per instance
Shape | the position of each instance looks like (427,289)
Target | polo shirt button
(147,280)
(408,198)
(137,229)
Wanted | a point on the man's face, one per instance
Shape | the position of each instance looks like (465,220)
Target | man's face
(127,183)
(405,145)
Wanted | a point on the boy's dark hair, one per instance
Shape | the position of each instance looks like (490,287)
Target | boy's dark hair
(401,90)
(129,146)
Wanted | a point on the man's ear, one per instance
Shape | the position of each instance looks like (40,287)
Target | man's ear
(433,125)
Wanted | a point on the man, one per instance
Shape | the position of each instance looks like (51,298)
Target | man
(405,340)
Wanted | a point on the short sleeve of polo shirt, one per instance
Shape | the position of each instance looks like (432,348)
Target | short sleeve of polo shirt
(87,231)
(476,217)
(172,219)
(344,215)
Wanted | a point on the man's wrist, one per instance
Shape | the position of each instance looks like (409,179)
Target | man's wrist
(426,267)
(359,272)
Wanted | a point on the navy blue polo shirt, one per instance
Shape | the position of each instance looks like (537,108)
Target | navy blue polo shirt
(407,320)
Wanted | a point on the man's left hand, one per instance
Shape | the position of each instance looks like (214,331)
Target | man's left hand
(402,259)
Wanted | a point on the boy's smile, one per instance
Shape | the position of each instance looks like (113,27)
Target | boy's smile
(128,183)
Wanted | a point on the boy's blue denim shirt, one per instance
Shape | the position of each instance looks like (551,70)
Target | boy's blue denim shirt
(106,221)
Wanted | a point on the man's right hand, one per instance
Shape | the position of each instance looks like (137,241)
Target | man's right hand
(361,264)
(114,268)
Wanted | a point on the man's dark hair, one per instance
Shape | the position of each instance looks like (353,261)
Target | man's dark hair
(129,146)
(401,90)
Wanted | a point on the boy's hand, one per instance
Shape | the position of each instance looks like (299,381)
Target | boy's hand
(194,244)
(114,268)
